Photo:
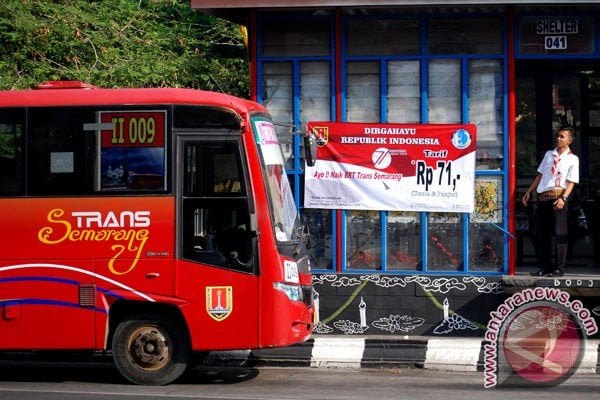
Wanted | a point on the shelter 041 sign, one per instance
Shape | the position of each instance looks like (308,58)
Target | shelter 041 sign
(403,167)
(556,35)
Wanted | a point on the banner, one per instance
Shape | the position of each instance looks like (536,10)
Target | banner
(401,167)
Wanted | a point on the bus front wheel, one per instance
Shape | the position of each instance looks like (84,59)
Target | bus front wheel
(150,350)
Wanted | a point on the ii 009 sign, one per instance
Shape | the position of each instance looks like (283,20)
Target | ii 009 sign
(133,128)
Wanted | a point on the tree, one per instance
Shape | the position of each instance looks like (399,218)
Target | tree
(120,43)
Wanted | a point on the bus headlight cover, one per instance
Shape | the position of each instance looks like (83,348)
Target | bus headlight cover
(293,292)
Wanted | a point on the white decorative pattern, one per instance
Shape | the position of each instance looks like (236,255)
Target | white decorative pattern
(349,327)
(321,279)
(550,319)
(385,281)
(483,286)
(404,323)
(322,328)
(438,285)
(401,323)
(454,323)
(346,281)
(362,310)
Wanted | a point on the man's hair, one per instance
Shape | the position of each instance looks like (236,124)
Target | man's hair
(568,129)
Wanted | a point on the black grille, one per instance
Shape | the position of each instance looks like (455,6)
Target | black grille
(307,294)
(87,295)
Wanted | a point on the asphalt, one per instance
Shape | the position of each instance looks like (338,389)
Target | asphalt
(434,353)
(462,354)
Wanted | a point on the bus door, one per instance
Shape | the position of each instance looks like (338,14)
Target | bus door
(217,241)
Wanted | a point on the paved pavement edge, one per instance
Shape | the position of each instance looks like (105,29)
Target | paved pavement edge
(444,354)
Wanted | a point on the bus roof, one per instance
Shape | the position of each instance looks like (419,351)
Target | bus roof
(87,95)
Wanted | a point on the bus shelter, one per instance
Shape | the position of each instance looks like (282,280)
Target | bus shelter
(515,70)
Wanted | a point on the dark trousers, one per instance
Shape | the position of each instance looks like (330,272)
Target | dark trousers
(550,222)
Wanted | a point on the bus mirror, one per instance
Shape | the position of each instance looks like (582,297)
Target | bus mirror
(310,149)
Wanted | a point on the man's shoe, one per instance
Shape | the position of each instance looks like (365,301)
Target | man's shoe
(540,272)
(557,272)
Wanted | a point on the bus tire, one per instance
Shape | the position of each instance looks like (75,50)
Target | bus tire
(150,350)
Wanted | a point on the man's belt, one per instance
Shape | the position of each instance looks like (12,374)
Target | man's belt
(550,194)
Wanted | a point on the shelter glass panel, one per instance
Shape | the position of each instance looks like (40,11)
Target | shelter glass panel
(465,36)
(403,240)
(444,91)
(315,95)
(404,91)
(319,225)
(486,111)
(383,37)
(315,91)
(485,238)
(278,97)
(296,38)
(363,235)
(363,91)
(444,247)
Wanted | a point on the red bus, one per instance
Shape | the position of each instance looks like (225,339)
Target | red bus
(153,223)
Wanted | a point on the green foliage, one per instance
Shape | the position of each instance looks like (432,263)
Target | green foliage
(120,43)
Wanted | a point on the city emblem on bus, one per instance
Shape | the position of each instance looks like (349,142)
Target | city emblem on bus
(219,302)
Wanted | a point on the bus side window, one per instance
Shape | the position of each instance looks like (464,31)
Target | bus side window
(216,217)
(11,144)
(59,156)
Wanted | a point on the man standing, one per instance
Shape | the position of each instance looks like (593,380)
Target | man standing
(554,182)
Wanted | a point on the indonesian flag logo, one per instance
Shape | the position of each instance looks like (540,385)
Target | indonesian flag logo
(219,302)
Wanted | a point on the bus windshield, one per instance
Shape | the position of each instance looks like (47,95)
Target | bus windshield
(281,199)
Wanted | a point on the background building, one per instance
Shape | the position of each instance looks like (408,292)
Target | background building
(517,70)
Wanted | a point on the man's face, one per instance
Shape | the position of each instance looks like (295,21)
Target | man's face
(563,139)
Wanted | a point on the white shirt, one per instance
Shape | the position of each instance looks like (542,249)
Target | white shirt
(567,170)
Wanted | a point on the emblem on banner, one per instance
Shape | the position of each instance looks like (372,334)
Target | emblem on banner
(322,134)
(461,139)
(219,302)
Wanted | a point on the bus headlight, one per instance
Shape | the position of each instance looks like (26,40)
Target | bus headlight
(293,292)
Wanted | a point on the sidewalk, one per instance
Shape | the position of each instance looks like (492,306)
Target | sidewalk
(446,354)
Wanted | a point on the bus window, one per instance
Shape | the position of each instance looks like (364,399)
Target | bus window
(11,133)
(194,117)
(58,161)
(216,217)
(85,151)
(132,150)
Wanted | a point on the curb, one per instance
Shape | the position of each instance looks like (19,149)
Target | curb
(447,354)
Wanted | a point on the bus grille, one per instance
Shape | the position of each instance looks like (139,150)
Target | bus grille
(87,295)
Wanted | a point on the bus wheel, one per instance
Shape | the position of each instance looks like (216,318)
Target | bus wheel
(151,350)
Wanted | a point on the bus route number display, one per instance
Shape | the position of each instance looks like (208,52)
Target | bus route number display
(133,155)
(134,129)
